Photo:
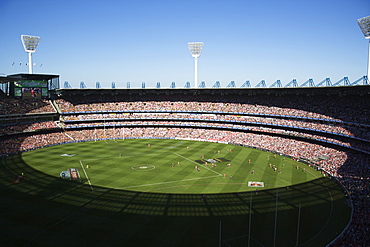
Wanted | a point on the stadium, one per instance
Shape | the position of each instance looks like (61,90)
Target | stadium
(318,130)
(279,165)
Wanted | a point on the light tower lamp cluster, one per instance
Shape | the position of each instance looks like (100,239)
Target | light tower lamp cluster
(195,50)
(364,24)
(30,44)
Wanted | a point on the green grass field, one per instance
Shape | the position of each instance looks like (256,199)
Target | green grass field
(168,166)
(131,195)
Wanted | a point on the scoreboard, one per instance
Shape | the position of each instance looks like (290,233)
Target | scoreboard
(31,86)
(27,89)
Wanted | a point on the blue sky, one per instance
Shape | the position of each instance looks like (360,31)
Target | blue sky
(146,40)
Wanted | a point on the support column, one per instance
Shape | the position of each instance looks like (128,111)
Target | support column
(368,64)
(195,72)
(30,63)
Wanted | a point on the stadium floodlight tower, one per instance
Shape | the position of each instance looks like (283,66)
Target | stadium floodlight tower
(195,50)
(364,24)
(30,44)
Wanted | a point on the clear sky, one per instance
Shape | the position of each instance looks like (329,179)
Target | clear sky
(146,40)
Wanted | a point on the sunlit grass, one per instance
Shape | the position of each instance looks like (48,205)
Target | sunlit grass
(170,166)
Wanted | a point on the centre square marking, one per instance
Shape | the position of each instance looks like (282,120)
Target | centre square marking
(143,167)
(214,160)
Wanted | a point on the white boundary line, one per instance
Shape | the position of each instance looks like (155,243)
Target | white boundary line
(88,180)
(219,174)
(331,210)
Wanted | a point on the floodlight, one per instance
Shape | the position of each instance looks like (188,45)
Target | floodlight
(195,50)
(30,44)
(364,24)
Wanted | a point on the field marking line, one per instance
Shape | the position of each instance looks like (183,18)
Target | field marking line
(198,164)
(331,209)
(189,179)
(88,180)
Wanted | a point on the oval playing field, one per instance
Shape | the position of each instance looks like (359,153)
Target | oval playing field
(172,166)
(154,192)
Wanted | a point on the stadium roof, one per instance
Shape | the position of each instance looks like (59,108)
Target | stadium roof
(16,77)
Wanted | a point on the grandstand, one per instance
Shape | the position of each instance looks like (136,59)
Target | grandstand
(326,126)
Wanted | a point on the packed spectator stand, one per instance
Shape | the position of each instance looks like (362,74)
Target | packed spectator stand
(327,128)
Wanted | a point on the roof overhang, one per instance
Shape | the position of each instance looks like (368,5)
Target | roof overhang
(16,77)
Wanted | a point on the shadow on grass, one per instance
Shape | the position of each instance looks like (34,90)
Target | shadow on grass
(45,211)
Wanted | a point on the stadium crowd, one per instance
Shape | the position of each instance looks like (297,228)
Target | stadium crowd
(26,127)
(232,126)
(305,107)
(333,127)
(10,105)
(351,168)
